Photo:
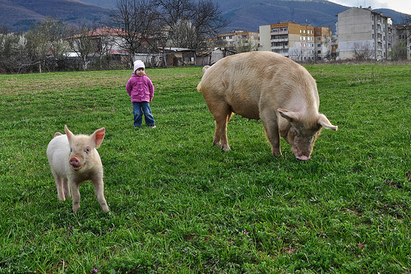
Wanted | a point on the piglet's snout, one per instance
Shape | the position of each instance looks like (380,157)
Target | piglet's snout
(75,163)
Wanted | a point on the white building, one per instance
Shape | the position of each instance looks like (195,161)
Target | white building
(363,34)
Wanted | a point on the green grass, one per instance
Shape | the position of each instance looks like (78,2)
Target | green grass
(180,205)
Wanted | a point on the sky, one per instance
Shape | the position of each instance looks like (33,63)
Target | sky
(403,6)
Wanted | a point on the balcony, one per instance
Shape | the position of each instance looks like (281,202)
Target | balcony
(279,47)
(280,32)
(279,40)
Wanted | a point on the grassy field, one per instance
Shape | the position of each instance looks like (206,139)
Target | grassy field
(180,205)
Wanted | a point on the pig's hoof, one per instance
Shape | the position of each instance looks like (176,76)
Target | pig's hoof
(75,208)
(278,154)
(225,148)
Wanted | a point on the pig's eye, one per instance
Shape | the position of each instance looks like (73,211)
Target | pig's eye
(87,150)
(71,150)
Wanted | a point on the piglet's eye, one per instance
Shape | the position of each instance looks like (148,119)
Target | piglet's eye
(87,149)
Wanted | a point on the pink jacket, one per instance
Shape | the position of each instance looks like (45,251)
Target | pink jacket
(140,88)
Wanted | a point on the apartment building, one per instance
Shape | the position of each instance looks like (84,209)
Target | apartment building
(402,40)
(296,41)
(363,34)
(239,40)
(323,43)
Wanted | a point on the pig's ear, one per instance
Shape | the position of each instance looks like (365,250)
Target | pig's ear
(98,136)
(323,121)
(68,132)
(289,115)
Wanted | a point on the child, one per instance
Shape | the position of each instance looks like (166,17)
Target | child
(141,90)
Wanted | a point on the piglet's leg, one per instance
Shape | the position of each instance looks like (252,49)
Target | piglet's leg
(76,195)
(66,188)
(99,189)
(59,186)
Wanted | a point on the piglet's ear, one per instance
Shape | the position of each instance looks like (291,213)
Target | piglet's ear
(68,132)
(98,136)
(323,121)
(291,116)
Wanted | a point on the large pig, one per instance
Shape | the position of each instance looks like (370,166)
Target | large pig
(267,86)
(74,159)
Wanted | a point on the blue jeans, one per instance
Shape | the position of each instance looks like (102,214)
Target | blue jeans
(138,109)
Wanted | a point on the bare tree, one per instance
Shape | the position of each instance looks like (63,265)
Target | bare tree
(46,44)
(183,35)
(362,52)
(83,44)
(136,21)
(246,46)
(205,18)
(208,19)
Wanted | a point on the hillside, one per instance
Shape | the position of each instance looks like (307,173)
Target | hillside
(249,15)
(242,14)
(19,15)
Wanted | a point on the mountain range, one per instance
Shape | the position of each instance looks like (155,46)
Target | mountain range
(247,15)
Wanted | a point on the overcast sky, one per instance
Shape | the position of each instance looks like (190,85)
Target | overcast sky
(403,6)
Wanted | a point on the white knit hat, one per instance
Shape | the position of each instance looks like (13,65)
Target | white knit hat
(138,64)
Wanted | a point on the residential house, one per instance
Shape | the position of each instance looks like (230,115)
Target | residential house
(107,41)
(363,34)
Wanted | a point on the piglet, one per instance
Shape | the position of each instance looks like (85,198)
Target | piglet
(74,159)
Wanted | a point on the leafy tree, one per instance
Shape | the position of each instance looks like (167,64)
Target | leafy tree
(12,53)
(399,51)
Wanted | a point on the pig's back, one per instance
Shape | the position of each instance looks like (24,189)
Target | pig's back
(58,151)
(241,80)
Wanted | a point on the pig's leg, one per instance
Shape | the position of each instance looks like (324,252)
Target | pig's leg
(76,195)
(222,115)
(273,135)
(59,186)
(99,189)
(66,188)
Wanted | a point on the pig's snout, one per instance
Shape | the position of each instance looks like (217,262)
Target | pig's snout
(75,163)
(300,155)
(303,157)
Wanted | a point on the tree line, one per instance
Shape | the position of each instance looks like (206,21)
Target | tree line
(142,25)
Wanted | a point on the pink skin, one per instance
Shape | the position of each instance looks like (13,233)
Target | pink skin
(75,163)
(139,72)
(74,159)
(265,86)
